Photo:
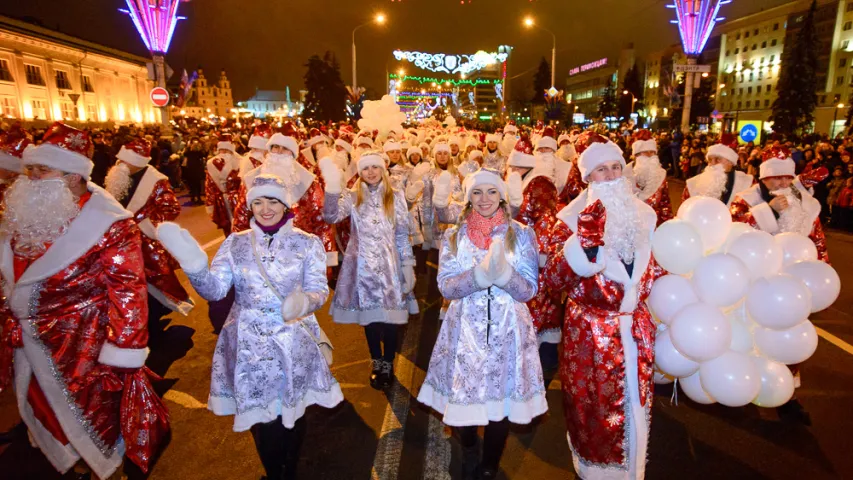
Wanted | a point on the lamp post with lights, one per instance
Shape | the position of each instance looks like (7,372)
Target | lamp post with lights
(529,22)
(379,19)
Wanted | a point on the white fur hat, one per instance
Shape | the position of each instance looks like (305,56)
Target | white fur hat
(777,162)
(521,159)
(547,142)
(510,128)
(493,137)
(257,141)
(563,138)
(136,152)
(344,144)
(268,185)
(363,140)
(474,154)
(413,150)
(370,159)
(440,147)
(724,152)
(283,141)
(454,140)
(484,176)
(598,154)
(391,146)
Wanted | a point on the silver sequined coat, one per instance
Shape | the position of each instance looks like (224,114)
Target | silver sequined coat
(485,363)
(369,287)
(262,367)
(424,211)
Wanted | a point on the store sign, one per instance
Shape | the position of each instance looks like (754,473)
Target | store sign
(588,66)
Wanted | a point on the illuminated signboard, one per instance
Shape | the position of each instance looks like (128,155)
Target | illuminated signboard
(449,63)
(588,66)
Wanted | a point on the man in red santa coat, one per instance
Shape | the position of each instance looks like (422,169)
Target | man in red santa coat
(258,149)
(567,176)
(11,152)
(146,193)
(719,180)
(75,312)
(605,267)
(648,176)
(531,185)
(222,184)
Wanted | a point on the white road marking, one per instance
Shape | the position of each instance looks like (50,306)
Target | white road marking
(213,243)
(835,340)
(183,399)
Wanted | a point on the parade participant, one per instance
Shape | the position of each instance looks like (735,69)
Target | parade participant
(566,152)
(485,368)
(425,149)
(11,164)
(453,141)
(420,195)
(473,161)
(719,180)
(146,193)
(398,167)
(648,176)
(566,173)
(268,365)
(307,205)
(605,267)
(510,136)
(574,184)
(222,184)
(343,149)
(471,144)
(258,149)
(538,209)
(75,307)
(493,158)
(377,272)
(414,155)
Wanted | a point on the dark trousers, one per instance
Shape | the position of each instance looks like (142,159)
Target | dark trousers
(550,360)
(279,447)
(494,441)
(379,335)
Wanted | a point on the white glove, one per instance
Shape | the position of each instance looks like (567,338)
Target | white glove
(408,279)
(294,306)
(499,269)
(441,194)
(182,246)
(492,264)
(516,194)
(420,170)
(413,190)
(331,175)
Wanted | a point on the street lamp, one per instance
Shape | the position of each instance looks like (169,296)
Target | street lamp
(835,118)
(633,99)
(379,19)
(528,22)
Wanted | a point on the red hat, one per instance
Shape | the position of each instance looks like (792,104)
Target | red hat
(643,142)
(522,154)
(776,162)
(63,148)
(225,143)
(136,152)
(260,136)
(288,129)
(586,139)
(549,132)
(12,148)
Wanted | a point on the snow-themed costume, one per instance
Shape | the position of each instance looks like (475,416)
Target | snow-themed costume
(222,185)
(608,333)
(649,176)
(421,198)
(494,159)
(710,183)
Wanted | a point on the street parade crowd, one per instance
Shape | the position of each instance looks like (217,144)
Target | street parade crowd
(543,241)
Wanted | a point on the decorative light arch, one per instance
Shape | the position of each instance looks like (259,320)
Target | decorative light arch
(155,21)
(451,63)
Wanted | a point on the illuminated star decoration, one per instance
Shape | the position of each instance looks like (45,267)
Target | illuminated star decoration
(155,21)
(696,19)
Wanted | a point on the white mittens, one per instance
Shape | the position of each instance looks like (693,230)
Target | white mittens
(441,195)
(516,193)
(413,190)
(294,306)
(332,176)
(493,269)
(408,279)
(420,170)
(182,246)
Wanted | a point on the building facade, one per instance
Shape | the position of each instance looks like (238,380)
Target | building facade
(274,103)
(46,76)
(587,83)
(208,99)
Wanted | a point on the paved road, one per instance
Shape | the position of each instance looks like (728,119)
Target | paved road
(388,435)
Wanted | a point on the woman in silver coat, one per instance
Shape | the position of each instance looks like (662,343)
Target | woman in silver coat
(377,274)
(267,366)
(485,366)
(420,194)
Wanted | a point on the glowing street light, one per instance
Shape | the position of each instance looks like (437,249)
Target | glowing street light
(379,19)
(633,99)
(529,23)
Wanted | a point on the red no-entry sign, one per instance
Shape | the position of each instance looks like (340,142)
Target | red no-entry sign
(159,96)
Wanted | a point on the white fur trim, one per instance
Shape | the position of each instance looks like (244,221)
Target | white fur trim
(723,151)
(270,191)
(483,177)
(284,141)
(115,356)
(331,259)
(59,158)
(144,189)
(370,160)
(493,137)
(226,146)
(599,154)
(441,147)
(776,167)
(458,415)
(184,308)
(344,144)
(547,142)
(391,146)
(223,406)
(11,163)
(301,174)
(577,259)
(552,335)
(129,156)
(641,146)
(481,278)
(562,168)
(521,159)
(148,229)
(760,210)
(257,141)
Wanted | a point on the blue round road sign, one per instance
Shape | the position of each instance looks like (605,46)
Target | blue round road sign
(748,133)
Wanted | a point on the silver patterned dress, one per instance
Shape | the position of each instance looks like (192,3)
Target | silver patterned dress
(262,366)
(431,227)
(485,363)
(370,282)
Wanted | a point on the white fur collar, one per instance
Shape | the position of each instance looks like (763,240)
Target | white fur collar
(561,172)
(742,183)
(144,189)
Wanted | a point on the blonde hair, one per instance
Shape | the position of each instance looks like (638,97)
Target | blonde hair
(387,197)
(509,239)
(451,165)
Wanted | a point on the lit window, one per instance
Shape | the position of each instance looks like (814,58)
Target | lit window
(5,73)
(62,82)
(34,77)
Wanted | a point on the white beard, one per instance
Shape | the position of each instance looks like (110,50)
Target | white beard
(118,181)
(648,174)
(37,213)
(546,163)
(283,166)
(794,218)
(624,231)
(712,182)
(567,153)
(259,156)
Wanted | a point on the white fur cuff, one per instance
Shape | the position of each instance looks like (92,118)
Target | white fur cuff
(481,278)
(764,217)
(122,357)
(577,260)
(504,277)
(331,259)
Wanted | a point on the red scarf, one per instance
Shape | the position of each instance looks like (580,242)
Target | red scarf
(480,228)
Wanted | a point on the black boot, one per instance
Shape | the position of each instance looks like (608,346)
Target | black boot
(387,374)
(471,462)
(376,374)
(793,412)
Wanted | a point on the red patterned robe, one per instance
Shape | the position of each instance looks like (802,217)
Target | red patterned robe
(152,203)
(573,185)
(608,349)
(72,316)
(538,211)
(221,190)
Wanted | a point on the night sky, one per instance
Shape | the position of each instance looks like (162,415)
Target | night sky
(265,44)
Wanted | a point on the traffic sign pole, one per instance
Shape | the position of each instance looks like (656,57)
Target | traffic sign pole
(688,96)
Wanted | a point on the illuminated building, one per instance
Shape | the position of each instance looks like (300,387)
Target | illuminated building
(586,83)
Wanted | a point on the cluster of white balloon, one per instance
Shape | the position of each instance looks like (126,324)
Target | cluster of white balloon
(733,311)
(383,115)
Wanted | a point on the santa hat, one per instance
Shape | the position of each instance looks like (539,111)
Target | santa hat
(424,145)
(475,154)
(454,140)
(268,185)
(564,138)
(723,151)
(777,162)
(288,129)
(440,147)
(588,138)
(472,142)
(371,159)
(284,141)
(511,128)
(493,137)
(484,176)
(391,146)
(344,144)
(225,143)
(11,151)
(412,150)
(136,152)
(522,154)
(547,140)
(363,140)
(260,136)
(598,154)
(643,142)
(63,148)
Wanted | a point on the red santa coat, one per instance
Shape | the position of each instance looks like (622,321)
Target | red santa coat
(742,182)
(572,185)
(655,196)
(76,312)
(154,202)
(222,190)
(751,207)
(538,211)
(608,349)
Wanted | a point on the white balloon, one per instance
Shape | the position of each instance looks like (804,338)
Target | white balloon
(779,302)
(794,345)
(692,387)
(720,279)
(821,279)
(700,332)
(777,383)
(736,231)
(677,246)
(741,337)
(759,252)
(669,360)
(670,294)
(710,217)
(796,248)
(662,378)
(732,379)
